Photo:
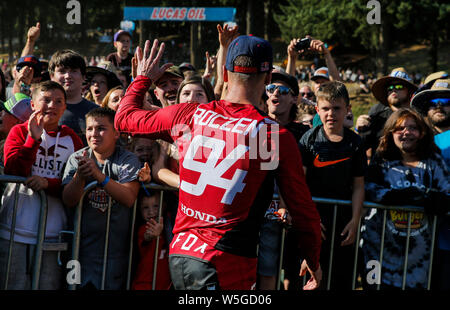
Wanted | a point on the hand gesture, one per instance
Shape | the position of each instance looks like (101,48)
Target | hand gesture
(362,122)
(153,229)
(34,32)
(36,125)
(227,34)
(316,276)
(317,46)
(144,174)
(350,230)
(36,183)
(134,64)
(25,75)
(148,61)
(88,169)
(291,50)
(210,65)
(284,216)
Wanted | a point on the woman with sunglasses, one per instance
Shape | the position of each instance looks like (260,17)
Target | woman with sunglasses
(407,169)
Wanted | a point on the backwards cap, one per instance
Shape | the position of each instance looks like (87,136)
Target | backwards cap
(258,49)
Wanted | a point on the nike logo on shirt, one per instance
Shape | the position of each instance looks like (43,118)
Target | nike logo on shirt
(320,164)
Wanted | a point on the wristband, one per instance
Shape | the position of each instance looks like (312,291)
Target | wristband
(105,181)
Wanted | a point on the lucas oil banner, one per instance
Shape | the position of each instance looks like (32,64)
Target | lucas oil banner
(180,13)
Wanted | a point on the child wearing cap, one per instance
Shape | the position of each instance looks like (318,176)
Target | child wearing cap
(335,163)
(37,149)
(14,111)
(116,172)
(122,57)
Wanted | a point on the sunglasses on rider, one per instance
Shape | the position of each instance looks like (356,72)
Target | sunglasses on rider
(396,87)
(283,90)
(443,102)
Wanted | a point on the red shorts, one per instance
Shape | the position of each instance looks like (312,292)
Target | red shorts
(233,272)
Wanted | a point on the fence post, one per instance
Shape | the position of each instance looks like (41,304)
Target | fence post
(155,259)
(77,227)
(40,240)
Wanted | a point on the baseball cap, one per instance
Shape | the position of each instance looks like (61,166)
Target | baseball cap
(185,66)
(322,72)
(278,75)
(30,61)
(256,48)
(174,70)
(18,106)
(119,33)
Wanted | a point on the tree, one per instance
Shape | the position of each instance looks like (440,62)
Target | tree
(345,22)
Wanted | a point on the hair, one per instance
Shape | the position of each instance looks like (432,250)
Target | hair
(247,62)
(45,86)
(108,94)
(333,90)
(426,147)
(67,58)
(102,112)
(197,79)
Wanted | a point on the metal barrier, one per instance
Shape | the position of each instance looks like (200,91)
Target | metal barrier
(41,232)
(77,232)
(367,205)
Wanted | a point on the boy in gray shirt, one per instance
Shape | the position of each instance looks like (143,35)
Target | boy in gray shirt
(116,172)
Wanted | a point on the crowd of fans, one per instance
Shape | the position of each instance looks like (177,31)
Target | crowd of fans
(58,130)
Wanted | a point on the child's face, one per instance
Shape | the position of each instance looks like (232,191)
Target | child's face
(52,105)
(145,149)
(99,87)
(332,114)
(123,44)
(193,92)
(101,134)
(69,78)
(150,207)
(406,135)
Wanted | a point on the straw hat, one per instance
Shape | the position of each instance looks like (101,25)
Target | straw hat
(421,101)
(398,75)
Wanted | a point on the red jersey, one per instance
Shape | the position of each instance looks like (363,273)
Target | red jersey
(230,155)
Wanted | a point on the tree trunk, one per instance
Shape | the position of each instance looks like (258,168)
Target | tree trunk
(434,51)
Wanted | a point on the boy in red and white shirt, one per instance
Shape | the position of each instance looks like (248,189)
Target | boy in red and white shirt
(37,149)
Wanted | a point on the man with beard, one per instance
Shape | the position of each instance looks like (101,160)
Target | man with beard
(393,92)
(434,104)
(166,87)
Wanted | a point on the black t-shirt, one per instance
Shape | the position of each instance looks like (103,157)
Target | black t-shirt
(331,166)
(121,64)
(379,114)
(297,129)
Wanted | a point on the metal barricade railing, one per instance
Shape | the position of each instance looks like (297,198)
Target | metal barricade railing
(40,235)
(367,205)
(77,234)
